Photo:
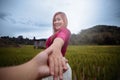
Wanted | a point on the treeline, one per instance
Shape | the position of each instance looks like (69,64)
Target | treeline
(6,41)
(97,35)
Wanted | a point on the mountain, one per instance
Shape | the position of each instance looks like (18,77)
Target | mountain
(99,35)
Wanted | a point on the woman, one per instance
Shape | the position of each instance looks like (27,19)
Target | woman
(58,42)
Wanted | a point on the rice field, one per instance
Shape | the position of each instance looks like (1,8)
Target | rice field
(94,62)
(87,62)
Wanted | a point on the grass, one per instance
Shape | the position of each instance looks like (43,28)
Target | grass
(14,56)
(94,62)
(87,62)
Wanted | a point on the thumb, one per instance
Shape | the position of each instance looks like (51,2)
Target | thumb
(48,51)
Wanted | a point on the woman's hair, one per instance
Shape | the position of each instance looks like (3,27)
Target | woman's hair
(64,17)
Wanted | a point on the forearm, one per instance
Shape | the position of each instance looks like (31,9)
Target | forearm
(27,71)
(57,46)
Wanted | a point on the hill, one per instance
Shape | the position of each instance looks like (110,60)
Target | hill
(99,34)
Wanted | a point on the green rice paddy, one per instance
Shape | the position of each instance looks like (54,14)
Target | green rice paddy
(87,62)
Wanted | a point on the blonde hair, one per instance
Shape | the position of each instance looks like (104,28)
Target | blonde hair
(64,17)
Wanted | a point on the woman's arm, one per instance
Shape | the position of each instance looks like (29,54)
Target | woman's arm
(56,61)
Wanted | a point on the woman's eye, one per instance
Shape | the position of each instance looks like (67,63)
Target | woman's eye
(58,19)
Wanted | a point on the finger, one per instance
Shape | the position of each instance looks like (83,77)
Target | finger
(48,51)
(56,66)
(60,70)
(64,65)
(45,71)
(51,65)
(65,69)
(66,60)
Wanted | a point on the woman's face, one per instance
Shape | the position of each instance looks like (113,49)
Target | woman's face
(58,22)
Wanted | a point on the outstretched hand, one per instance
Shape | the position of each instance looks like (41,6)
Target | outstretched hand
(57,64)
(41,61)
(35,69)
(50,64)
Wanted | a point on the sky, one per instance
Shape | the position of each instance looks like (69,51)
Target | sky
(33,18)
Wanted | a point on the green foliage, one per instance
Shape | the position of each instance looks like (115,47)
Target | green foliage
(14,56)
(87,62)
(99,34)
(94,62)
(6,41)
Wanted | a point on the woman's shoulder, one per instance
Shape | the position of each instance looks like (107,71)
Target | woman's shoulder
(65,30)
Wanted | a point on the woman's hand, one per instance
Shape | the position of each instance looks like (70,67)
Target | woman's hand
(57,64)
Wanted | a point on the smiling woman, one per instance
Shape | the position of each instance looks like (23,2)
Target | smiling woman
(58,42)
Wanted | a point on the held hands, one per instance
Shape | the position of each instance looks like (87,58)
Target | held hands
(57,65)
(41,61)
(48,63)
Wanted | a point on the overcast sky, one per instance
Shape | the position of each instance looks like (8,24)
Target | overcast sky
(34,17)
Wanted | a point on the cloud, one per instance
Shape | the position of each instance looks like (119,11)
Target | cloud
(23,21)
(7,17)
(3,15)
(34,17)
(42,24)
